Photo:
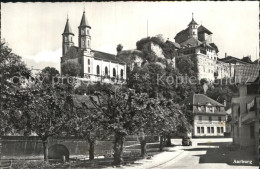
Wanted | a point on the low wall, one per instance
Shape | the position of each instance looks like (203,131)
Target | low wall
(16,146)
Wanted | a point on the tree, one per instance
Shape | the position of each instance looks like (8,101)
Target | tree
(51,72)
(119,48)
(88,122)
(121,108)
(187,65)
(71,68)
(13,72)
(41,109)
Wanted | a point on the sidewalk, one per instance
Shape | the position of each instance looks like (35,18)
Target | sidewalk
(168,154)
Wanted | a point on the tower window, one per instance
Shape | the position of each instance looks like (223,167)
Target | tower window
(88,32)
(71,39)
(88,61)
(88,69)
(122,73)
(114,72)
(106,71)
(88,44)
(98,70)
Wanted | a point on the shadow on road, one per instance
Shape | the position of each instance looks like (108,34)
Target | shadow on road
(224,153)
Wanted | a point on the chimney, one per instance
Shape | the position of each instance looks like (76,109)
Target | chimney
(225,55)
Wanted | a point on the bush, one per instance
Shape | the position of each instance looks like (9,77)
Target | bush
(22,164)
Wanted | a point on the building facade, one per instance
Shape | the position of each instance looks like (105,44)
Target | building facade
(209,116)
(197,41)
(245,107)
(94,65)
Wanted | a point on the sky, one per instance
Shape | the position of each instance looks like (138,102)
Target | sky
(33,30)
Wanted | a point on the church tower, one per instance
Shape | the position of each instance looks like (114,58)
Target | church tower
(67,38)
(84,34)
(193,28)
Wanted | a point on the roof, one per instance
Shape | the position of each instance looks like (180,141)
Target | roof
(107,57)
(182,35)
(246,73)
(192,22)
(231,59)
(202,29)
(84,21)
(214,46)
(67,29)
(200,99)
(193,42)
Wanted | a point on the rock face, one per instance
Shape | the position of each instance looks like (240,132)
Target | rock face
(57,151)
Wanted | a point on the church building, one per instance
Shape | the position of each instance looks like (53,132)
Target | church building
(94,65)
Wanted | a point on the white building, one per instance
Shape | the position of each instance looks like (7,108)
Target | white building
(95,65)
(209,116)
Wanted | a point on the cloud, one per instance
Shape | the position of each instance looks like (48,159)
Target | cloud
(47,56)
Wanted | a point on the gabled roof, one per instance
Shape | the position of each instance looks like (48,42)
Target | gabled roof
(67,29)
(202,29)
(107,57)
(200,99)
(246,73)
(84,21)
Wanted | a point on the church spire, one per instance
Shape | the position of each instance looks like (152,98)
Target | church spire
(67,29)
(84,21)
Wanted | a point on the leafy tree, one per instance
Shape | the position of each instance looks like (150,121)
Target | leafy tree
(42,110)
(186,65)
(71,68)
(88,122)
(13,72)
(119,48)
(51,72)
(121,108)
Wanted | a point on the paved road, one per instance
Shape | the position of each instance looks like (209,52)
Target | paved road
(204,153)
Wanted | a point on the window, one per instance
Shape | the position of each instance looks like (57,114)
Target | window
(114,72)
(198,129)
(71,39)
(88,61)
(210,118)
(212,129)
(208,129)
(200,118)
(98,71)
(88,69)
(88,44)
(218,129)
(219,118)
(222,130)
(106,71)
(122,73)
(202,129)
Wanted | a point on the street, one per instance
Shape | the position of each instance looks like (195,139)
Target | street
(204,153)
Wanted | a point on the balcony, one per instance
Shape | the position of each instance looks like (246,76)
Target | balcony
(249,117)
